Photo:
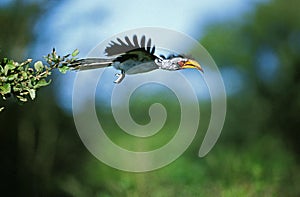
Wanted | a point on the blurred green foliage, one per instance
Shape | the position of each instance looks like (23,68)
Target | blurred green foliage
(17,20)
(256,155)
(264,48)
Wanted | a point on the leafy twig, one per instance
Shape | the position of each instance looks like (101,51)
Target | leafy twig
(21,80)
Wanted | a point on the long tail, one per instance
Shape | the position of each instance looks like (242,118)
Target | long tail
(91,63)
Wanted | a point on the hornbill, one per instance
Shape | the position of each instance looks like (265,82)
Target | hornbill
(133,58)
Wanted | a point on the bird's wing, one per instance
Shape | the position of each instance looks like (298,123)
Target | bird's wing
(121,47)
(135,61)
(139,54)
(142,68)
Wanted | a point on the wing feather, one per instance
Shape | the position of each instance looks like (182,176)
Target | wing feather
(128,41)
(135,41)
(143,40)
(149,46)
(120,46)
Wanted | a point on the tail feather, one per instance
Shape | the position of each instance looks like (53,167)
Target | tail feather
(91,63)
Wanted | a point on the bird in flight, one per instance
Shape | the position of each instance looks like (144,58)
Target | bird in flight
(134,57)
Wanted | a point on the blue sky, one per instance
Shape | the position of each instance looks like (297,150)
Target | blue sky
(79,24)
(73,24)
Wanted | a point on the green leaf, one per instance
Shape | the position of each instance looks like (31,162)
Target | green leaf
(5,88)
(8,67)
(21,98)
(31,93)
(3,79)
(12,77)
(17,88)
(75,53)
(42,83)
(39,66)
(64,69)
(24,74)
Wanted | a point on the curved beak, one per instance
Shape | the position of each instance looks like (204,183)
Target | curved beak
(192,64)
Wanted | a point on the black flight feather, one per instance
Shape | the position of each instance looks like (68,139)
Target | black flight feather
(123,46)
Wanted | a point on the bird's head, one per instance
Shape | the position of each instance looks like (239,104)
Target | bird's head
(189,63)
(177,63)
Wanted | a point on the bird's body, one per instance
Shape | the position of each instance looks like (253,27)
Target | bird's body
(134,58)
(135,61)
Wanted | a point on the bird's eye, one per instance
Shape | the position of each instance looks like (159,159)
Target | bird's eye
(181,63)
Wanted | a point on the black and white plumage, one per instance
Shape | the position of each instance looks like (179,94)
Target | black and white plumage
(133,57)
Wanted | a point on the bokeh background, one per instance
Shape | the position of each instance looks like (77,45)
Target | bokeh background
(256,45)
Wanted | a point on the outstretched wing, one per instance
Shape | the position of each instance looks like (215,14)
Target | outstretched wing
(120,47)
